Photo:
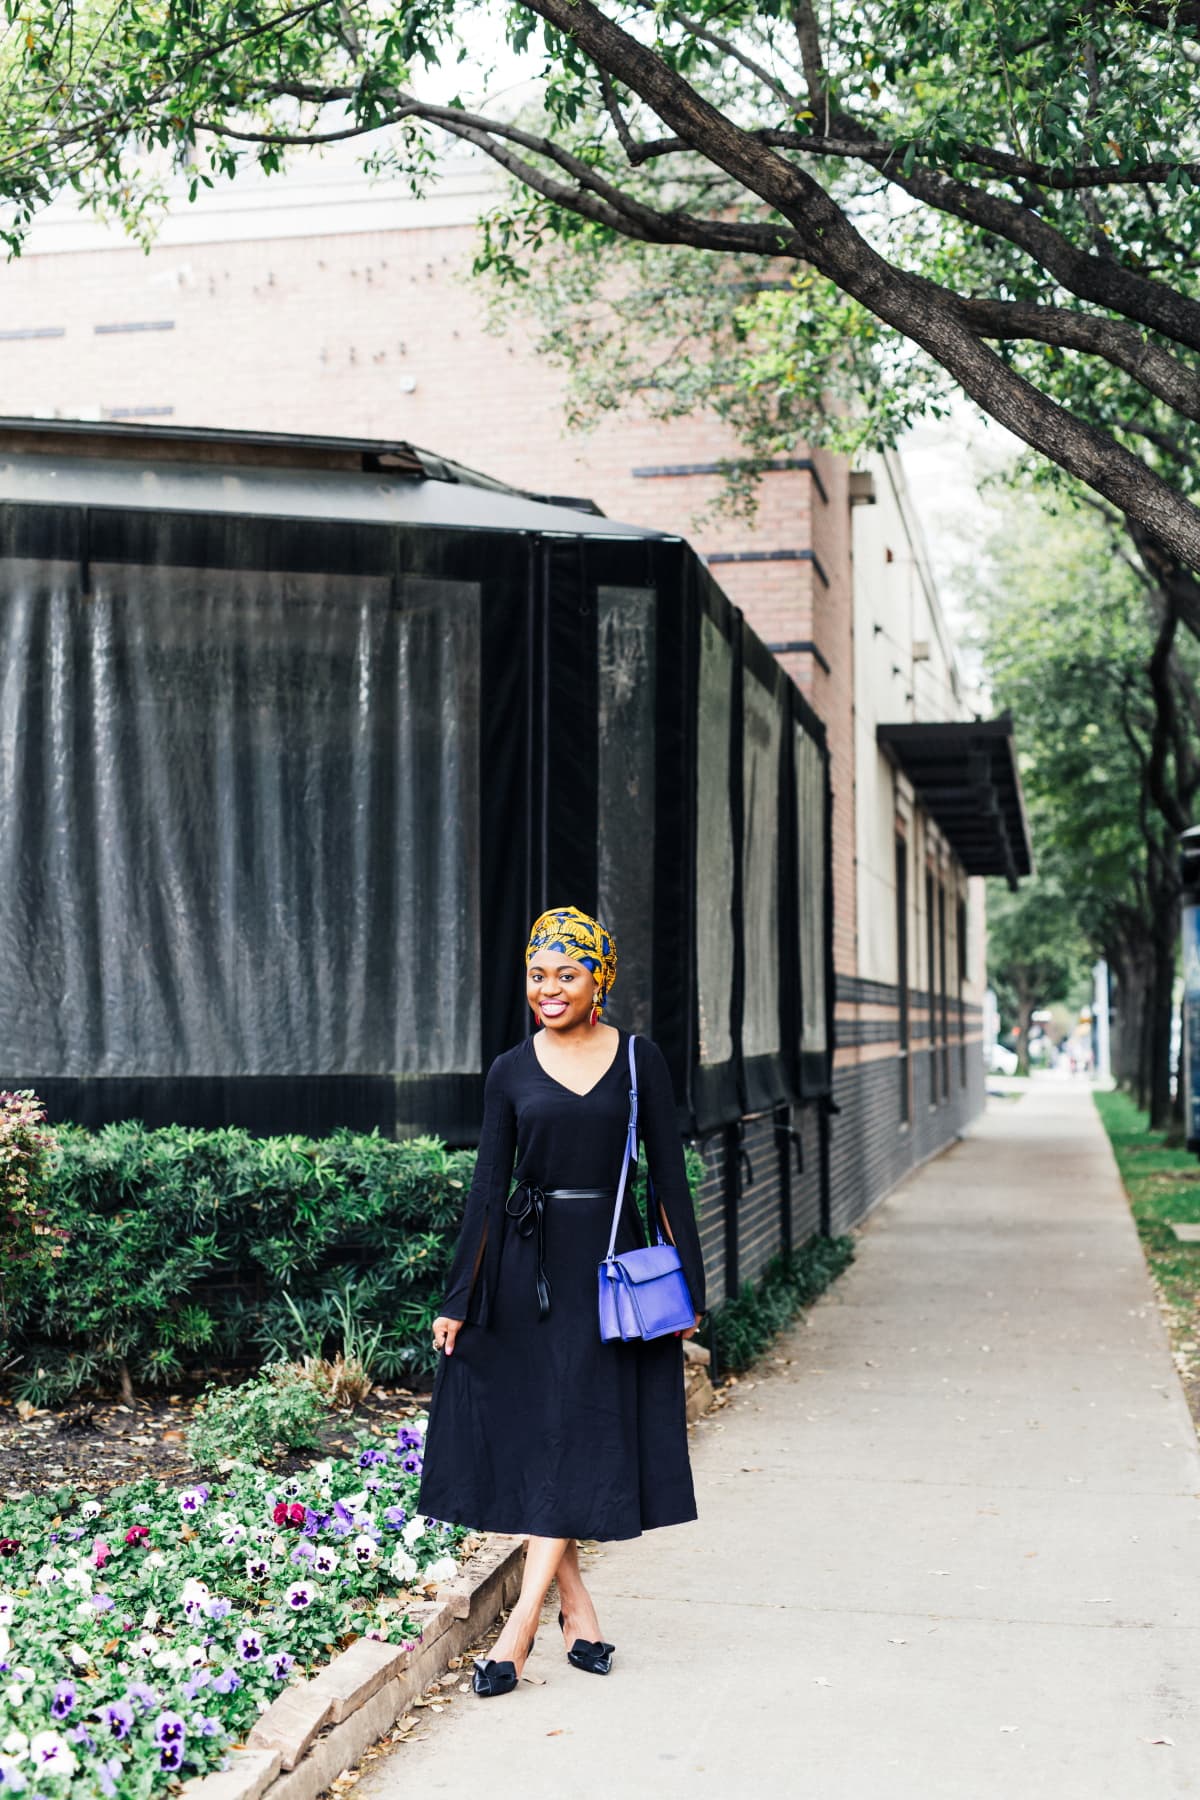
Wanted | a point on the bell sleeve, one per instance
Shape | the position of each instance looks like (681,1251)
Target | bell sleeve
(479,1234)
(664,1154)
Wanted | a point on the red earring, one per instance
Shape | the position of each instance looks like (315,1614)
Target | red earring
(595,1013)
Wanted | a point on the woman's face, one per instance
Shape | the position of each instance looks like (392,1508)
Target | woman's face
(559,990)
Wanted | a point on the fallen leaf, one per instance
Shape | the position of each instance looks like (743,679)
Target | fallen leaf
(1160,1740)
(897,1640)
(557,1732)
(1010,1728)
(822,1681)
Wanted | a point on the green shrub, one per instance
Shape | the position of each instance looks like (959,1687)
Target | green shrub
(742,1327)
(184,1249)
(27,1242)
(276,1411)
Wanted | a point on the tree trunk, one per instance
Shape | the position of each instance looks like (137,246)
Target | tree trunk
(1025,1005)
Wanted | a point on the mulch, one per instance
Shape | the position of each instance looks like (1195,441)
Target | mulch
(100,1444)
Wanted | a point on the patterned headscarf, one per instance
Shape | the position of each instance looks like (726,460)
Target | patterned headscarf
(583,939)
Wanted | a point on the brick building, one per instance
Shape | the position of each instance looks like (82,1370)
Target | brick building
(321,304)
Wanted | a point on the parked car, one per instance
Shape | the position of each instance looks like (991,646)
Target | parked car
(1001,1061)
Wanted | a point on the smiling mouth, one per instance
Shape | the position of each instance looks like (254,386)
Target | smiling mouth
(553,1006)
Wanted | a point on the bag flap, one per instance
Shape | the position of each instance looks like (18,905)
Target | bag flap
(650,1264)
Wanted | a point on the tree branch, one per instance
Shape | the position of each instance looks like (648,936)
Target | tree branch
(824,236)
(1117,341)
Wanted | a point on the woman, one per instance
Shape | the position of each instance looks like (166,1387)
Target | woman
(536,1427)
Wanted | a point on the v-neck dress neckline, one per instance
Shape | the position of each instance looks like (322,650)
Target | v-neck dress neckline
(587,1092)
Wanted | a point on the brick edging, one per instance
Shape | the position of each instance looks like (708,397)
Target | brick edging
(357,1697)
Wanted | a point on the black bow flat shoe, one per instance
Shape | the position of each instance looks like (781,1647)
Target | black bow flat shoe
(595,1658)
(493,1678)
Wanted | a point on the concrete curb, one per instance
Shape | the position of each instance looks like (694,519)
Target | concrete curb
(319,1728)
(697,1386)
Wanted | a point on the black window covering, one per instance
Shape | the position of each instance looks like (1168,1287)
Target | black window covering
(311,780)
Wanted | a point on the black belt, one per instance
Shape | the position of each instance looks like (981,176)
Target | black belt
(529,1213)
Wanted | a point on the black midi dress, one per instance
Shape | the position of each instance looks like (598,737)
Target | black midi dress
(535,1425)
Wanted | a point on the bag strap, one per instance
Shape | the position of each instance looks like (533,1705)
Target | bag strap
(629,1161)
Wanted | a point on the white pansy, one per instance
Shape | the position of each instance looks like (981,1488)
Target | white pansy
(325,1560)
(79,1578)
(91,1509)
(364,1549)
(193,1590)
(356,1503)
(168,1659)
(195,1656)
(14,1693)
(154,1560)
(47,1575)
(11,1776)
(8,1607)
(79,1656)
(15,1744)
(444,1569)
(145,1645)
(414,1529)
(403,1567)
(51,1754)
(5,1643)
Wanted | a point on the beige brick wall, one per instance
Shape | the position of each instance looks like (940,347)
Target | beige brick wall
(382,334)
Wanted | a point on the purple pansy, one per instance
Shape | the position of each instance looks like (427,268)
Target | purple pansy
(249,1646)
(64,1700)
(170,1729)
(117,1719)
(370,1458)
(227,1682)
(280,1666)
(395,1517)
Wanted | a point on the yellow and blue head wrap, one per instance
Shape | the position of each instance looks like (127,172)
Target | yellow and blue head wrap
(584,939)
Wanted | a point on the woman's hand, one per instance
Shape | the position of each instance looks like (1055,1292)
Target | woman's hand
(693,1331)
(444,1333)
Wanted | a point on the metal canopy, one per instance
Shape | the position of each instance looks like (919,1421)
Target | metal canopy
(965,775)
(186,469)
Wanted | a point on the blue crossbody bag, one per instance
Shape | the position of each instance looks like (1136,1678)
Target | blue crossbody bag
(643,1293)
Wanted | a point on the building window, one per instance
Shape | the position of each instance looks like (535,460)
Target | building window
(961,937)
(943,998)
(902,975)
(930,991)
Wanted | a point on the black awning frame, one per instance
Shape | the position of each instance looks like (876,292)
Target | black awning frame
(964,773)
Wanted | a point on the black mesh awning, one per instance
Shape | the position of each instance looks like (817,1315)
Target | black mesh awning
(965,775)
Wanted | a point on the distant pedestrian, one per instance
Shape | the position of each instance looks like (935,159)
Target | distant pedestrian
(536,1426)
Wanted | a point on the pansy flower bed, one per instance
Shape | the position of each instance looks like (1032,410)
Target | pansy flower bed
(143,1633)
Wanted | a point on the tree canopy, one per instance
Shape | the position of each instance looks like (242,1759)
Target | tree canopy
(1081,647)
(1008,193)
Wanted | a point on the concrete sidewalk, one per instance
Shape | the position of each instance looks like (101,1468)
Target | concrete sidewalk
(949,1536)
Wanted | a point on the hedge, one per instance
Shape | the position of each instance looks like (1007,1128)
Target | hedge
(183,1250)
